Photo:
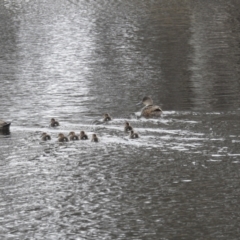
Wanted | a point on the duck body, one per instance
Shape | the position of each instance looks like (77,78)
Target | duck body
(45,137)
(106,117)
(62,138)
(54,123)
(127,127)
(94,138)
(150,110)
(83,135)
(4,126)
(73,136)
(133,135)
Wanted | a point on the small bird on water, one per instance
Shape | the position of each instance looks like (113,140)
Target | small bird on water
(133,135)
(106,117)
(62,138)
(94,138)
(127,127)
(73,136)
(83,135)
(45,136)
(54,123)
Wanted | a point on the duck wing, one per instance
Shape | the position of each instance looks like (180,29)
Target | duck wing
(151,111)
(156,109)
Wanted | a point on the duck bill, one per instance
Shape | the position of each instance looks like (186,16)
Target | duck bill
(139,103)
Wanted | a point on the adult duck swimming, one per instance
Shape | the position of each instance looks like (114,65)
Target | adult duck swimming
(150,110)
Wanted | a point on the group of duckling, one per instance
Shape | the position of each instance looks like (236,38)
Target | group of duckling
(72,136)
(149,111)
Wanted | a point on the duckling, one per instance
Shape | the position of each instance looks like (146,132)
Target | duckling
(73,136)
(133,134)
(4,126)
(127,127)
(150,110)
(83,135)
(45,136)
(62,138)
(54,123)
(106,117)
(94,138)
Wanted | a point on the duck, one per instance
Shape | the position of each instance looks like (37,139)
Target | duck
(45,136)
(106,117)
(127,127)
(54,123)
(150,110)
(133,135)
(73,136)
(94,138)
(62,138)
(83,135)
(4,126)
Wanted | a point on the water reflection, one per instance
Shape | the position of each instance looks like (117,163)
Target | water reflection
(75,60)
(214,64)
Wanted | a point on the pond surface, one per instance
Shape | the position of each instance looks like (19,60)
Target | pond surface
(76,60)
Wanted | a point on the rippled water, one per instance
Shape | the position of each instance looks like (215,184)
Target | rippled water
(76,60)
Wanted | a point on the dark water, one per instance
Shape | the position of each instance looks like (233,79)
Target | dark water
(75,60)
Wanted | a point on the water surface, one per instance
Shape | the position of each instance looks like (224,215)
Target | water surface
(76,60)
